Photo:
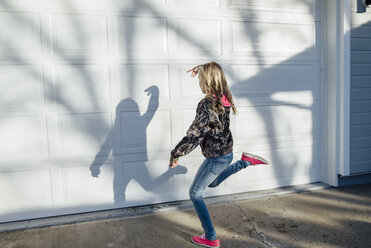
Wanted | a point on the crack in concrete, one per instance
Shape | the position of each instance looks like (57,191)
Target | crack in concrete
(253,228)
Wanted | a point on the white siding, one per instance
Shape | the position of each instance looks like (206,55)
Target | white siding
(360,94)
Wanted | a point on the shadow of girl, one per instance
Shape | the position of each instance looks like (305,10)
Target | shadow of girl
(135,137)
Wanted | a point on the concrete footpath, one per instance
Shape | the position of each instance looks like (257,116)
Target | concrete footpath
(329,217)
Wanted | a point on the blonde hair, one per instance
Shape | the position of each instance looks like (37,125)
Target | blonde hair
(213,77)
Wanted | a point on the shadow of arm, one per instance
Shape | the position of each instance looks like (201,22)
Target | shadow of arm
(153,103)
(101,155)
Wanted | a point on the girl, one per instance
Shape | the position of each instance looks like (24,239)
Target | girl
(210,130)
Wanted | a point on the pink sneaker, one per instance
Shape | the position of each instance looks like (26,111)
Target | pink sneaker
(253,159)
(203,241)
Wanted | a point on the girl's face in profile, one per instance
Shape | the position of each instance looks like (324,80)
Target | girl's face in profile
(201,83)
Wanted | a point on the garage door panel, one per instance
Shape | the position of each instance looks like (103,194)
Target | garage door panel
(274,142)
(248,37)
(137,78)
(34,193)
(23,135)
(80,188)
(199,37)
(150,131)
(147,181)
(77,34)
(22,84)
(276,5)
(83,83)
(136,32)
(256,79)
(298,161)
(144,5)
(197,4)
(27,24)
(61,4)
(261,85)
(84,132)
(277,121)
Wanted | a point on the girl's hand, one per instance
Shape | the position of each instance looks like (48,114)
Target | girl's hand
(173,162)
(194,70)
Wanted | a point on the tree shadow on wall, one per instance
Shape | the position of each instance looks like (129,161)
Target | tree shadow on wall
(130,130)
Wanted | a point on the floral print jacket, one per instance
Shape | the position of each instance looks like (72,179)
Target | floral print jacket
(209,130)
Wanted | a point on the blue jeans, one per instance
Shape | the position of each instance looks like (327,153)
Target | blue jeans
(211,173)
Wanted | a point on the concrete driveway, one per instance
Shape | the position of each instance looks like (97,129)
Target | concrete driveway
(330,217)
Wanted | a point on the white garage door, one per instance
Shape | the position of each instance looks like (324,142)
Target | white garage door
(94,95)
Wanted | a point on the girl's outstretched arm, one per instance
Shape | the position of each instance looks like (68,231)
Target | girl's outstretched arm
(195,134)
